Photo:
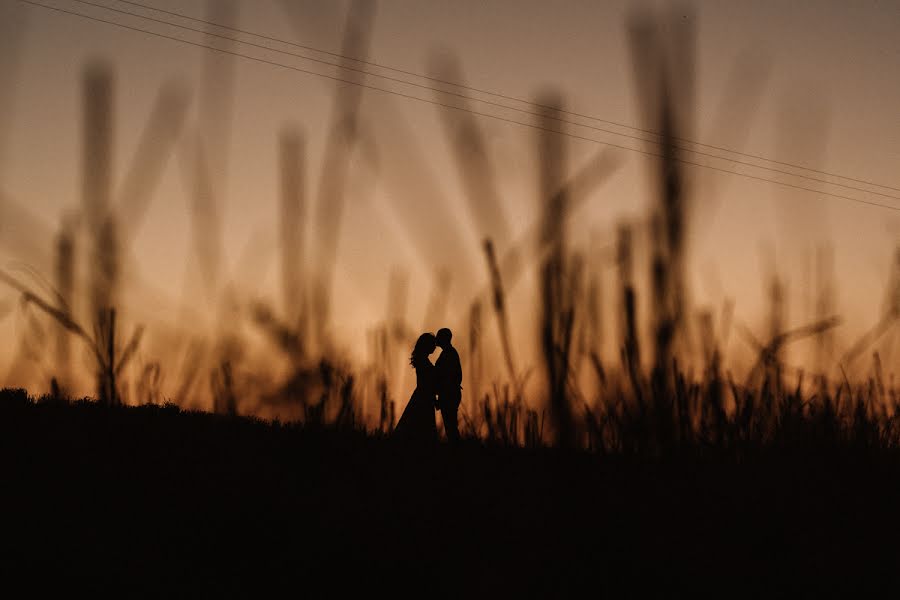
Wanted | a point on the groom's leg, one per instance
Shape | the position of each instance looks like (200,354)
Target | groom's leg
(451,422)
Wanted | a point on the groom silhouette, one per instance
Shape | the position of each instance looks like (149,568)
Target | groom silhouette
(449,384)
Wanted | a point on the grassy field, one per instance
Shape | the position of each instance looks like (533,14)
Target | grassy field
(157,500)
(662,465)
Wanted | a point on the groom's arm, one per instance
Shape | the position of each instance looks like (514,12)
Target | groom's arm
(457,375)
(440,372)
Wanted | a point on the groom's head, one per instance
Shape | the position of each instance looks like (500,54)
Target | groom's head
(443,338)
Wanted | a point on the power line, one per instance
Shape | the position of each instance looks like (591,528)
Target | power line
(451,106)
(464,96)
(515,99)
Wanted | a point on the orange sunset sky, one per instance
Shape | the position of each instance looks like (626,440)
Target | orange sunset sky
(812,83)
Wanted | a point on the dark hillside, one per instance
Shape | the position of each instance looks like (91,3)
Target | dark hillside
(152,498)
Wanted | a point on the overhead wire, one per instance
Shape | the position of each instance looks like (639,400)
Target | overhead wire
(454,107)
(515,99)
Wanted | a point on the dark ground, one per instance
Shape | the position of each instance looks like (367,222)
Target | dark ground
(153,501)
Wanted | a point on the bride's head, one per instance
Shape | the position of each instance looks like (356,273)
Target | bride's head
(425,345)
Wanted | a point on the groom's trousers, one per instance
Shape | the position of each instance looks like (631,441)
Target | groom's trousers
(449,414)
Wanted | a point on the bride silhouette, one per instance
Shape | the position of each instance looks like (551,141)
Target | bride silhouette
(417,423)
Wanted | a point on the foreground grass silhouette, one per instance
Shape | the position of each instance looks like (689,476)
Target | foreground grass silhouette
(151,499)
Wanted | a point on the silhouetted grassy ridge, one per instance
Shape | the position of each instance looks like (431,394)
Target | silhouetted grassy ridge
(154,499)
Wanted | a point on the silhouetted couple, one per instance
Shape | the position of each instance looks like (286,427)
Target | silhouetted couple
(438,387)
